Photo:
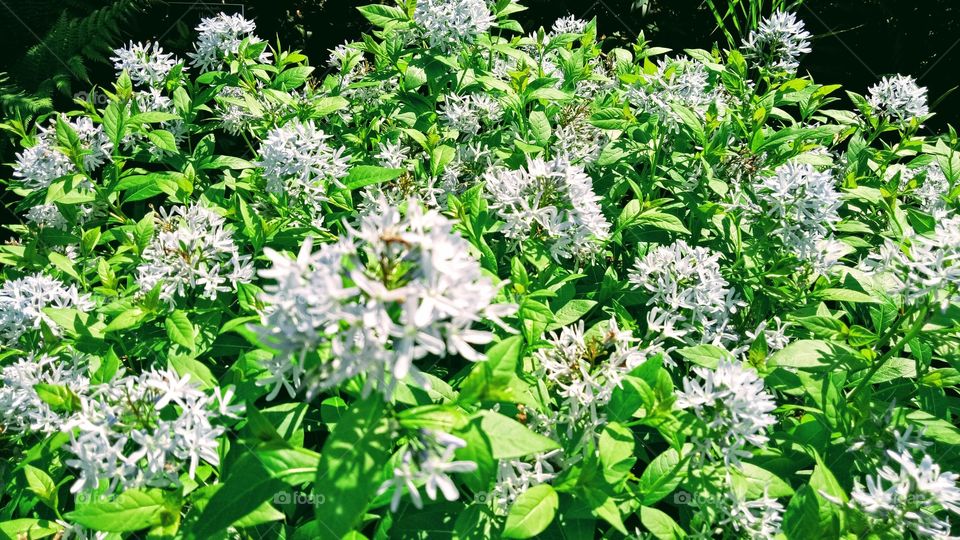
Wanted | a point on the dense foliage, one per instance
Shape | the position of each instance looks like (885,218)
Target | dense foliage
(481,283)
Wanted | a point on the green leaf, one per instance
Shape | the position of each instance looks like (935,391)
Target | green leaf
(125,320)
(58,397)
(847,295)
(365,175)
(616,449)
(294,77)
(163,140)
(180,330)
(382,16)
(65,264)
(531,512)
(662,476)
(662,526)
(41,485)
(198,371)
(351,466)
(511,439)
(247,487)
(153,117)
(808,354)
(707,356)
(540,127)
(132,510)
(661,220)
(571,312)
(28,529)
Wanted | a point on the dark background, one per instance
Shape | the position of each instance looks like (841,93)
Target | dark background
(55,48)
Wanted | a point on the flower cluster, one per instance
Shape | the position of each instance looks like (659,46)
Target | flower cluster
(192,250)
(23,300)
(552,200)
(779,42)
(905,496)
(803,204)
(584,370)
(468,114)
(40,165)
(297,161)
(680,82)
(123,434)
(428,461)
(899,98)
(220,38)
(450,24)
(732,407)
(21,406)
(145,63)
(398,288)
(689,298)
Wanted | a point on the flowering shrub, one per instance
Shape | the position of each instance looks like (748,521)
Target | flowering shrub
(477,282)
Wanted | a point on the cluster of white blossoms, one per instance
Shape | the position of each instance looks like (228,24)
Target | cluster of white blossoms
(898,98)
(727,509)
(690,300)
(450,24)
(192,250)
(680,81)
(46,215)
(932,190)
(297,161)
(515,476)
(40,165)
(427,461)
(471,161)
(220,38)
(393,154)
(553,200)
(145,63)
(140,430)
(22,301)
(778,42)
(928,268)
(396,289)
(732,407)
(803,204)
(905,496)
(468,114)
(21,409)
(584,370)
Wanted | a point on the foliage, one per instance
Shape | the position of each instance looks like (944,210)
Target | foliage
(497,285)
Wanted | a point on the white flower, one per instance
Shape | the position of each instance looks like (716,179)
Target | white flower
(929,266)
(40,165)
(47,215)
(577,138)
(932,190)
(190,250)
(393,155)
(585,370)
(297,161)
(235,114)
(468,114)
(803,205)
(128,432)
(21,409)
(551,199)
(732,406)
(145,63)
(757,519)
(22,301)
(690,299)
(679,81)
(428,460)
(779,42)
(219,38)
(905,496)
(450,24)
(514,476)
(396,289)
(568,25)
(899,98)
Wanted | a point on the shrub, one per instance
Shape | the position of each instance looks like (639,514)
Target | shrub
(477,282)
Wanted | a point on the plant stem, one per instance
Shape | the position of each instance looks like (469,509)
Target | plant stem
(912,333)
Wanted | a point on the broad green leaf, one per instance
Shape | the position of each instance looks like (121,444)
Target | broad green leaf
(532,512)
(511,439)
(132,510)
(180,330)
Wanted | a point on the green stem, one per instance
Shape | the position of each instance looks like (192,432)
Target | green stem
(912,333)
